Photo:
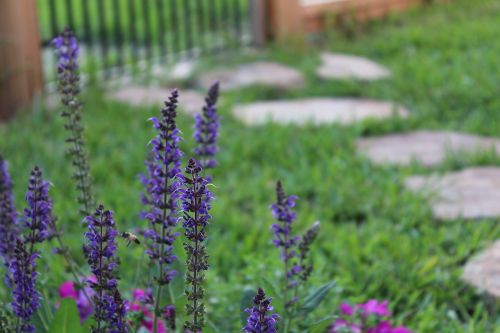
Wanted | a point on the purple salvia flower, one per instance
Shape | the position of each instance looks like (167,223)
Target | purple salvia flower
(283,212)
(207,129)
(67,50)
(26,299)
(8,221)
(68,79)
(259,321)
(37,218)
(100,251)
(22,269)
(195,208)
(161,184)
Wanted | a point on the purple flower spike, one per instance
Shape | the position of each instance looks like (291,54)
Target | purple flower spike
(161,185)
(207,130)
(22,269)
(68,79)
(100,251)
(26,299)
(283,239)
(38,216)
(67,50)
(196,199)
(259,321)
(8,221)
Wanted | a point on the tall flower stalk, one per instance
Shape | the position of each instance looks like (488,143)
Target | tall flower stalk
(161,185)
(259,320)
(67,49)
(36,219)
(8,221)
(284,240)
(100,251)
(195,207)
(207,130)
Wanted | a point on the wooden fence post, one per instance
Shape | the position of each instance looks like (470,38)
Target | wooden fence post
(20,57)
(286,19)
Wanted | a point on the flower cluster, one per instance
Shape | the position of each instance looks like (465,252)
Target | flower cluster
(100,251)
(259,321)
(143,305)
(67,50)
(37,217)
(22,273)
(161,184)
(25,297)
(370,317)
(195,207)
(283,212)
(8,221)
(207,129)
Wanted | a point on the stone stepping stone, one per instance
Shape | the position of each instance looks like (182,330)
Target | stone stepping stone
(426,147)
(343,66)
(483,271)
(190,101)
(472,193)
(269,74)
(317,111)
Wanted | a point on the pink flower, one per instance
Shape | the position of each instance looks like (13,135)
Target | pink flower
(346,309)
(85,307)
(67,290)
(400,329)
(340,324)
(374,307)
(140,299)
(382,327)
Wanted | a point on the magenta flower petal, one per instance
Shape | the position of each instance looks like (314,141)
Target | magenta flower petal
(373,307)
(346,309)
(67,290)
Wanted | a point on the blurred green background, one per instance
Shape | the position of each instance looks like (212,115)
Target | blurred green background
(377,240)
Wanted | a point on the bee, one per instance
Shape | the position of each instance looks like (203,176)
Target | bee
(130,237)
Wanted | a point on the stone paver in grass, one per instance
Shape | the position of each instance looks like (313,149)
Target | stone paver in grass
(426,147)
(483,270)
(344,66)
(471,193)
(190,101)
(317,111)
(258,73)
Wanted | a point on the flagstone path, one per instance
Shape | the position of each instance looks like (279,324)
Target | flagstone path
(483,270)
(317,111)
(343,66)
(190,101)
(426,147)
(471,193)
(269,74)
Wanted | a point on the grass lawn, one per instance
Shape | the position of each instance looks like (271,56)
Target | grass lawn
(377,241)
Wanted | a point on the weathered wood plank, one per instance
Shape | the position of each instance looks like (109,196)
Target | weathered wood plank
(20,60)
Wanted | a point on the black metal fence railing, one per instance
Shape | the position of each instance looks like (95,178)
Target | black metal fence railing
(116,34)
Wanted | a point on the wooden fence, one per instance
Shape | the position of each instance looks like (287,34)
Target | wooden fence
(20,52)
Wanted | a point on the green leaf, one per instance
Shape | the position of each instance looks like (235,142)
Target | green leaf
(315,298)
(321,325)
(66,319)
(245,303)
